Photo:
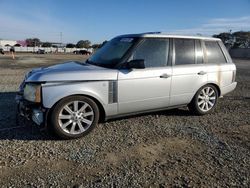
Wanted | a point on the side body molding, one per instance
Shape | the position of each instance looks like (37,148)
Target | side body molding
(100,90)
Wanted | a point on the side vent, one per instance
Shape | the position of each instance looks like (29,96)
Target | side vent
(112,92)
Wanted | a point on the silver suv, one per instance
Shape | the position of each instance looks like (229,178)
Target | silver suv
(130,74)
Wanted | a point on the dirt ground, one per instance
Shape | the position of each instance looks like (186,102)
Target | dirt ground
(164,149)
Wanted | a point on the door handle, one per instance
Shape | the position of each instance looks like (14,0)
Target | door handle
(201,73)
(165,76)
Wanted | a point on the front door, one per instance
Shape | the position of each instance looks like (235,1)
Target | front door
(149,88)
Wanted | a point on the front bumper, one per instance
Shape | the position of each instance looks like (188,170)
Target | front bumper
(31,111)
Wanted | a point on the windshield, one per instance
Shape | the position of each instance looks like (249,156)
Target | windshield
(112,52)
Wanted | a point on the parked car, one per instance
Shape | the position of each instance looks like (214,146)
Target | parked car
(82,52)
(130,74)
(40,51)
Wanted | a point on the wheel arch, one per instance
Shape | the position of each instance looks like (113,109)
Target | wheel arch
(216,86)
(98,103)
(193,107)
(209,83)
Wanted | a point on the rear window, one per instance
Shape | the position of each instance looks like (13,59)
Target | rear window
(214,52)
(184,51)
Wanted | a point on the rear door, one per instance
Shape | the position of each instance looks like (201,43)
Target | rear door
(219,71)
(149,88)
(189,71)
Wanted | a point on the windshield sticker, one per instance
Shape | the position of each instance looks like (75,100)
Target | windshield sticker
(126,39)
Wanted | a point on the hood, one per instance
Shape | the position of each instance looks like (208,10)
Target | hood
(71,71)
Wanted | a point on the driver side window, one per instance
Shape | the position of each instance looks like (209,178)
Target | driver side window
(153,51)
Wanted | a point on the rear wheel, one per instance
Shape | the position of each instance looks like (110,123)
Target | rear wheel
(74,117)
(204,100)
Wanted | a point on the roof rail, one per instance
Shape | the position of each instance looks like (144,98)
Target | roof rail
(154,32)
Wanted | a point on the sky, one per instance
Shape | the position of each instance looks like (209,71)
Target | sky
(99,20)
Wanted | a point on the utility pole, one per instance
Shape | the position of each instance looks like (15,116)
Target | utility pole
(61,38)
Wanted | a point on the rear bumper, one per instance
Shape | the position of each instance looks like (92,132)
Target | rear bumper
(31,111)
(228,89)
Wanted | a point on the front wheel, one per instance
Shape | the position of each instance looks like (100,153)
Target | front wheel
(74,117)
(204,100)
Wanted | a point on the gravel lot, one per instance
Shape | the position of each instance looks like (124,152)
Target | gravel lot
(170,148)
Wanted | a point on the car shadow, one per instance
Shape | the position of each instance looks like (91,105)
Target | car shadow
(13,127)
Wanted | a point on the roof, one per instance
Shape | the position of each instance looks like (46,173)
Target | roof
(164,35)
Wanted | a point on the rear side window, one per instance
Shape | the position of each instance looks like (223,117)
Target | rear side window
(214,53)
(184,51)
(153,51)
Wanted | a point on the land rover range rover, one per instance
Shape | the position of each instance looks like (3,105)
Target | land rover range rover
(130,74)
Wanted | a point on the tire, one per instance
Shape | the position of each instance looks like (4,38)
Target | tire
(204,101)
(74,117)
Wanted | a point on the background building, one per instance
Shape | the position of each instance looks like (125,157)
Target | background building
(7,42)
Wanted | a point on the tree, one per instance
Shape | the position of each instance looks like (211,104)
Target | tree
(70,45)
(95,46)
(239,39)
(83,44)
(46,44)
(32,42)
(17,45)
(224,36)
(242,39)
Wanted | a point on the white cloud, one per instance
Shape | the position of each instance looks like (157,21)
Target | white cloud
(218,25)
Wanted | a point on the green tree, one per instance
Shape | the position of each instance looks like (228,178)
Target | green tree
(95,46)
(242,39)
(225,37)
(70,45)
(239,39)
(46,44)
(83,44)
(32,42)
(17,45)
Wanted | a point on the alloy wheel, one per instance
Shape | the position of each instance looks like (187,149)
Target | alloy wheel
(207,99)
(76,117)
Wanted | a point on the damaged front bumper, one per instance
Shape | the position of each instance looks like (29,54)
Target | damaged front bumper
(31,111)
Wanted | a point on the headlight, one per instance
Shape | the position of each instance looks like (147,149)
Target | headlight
(32,92)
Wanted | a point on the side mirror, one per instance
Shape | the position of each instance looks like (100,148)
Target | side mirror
(136,64)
